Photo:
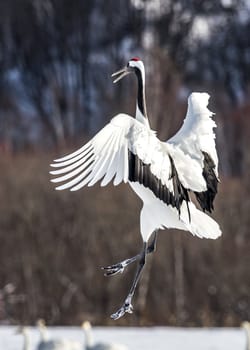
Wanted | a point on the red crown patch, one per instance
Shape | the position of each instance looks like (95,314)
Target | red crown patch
(135,59)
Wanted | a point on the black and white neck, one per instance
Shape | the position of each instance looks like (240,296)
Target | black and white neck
(141,109)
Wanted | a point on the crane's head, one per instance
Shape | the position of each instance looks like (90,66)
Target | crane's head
(134,65)
(41,323)
(86,325)
(246,325)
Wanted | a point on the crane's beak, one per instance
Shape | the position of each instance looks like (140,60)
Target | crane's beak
(121,74)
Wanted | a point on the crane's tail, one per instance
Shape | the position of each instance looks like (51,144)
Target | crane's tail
(199,223)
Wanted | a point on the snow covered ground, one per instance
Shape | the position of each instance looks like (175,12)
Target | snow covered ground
(156,338)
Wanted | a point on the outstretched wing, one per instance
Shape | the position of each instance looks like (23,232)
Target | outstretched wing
(124,150)
(104,157)
(196,138)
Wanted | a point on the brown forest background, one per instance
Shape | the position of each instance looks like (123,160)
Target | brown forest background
(56,60)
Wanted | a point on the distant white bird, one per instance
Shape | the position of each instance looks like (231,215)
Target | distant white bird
(55,344)
(89,341)
(162,174)
(42,329)
(246,326)
(26,336)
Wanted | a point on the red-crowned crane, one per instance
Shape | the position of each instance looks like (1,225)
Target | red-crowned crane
(161,173)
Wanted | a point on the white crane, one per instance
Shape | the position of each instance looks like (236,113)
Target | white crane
(54,344)
(162,174)
(26,336)
(246,326)
(89,341)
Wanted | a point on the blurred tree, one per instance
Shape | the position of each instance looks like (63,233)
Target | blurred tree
(57,49)
(56,58)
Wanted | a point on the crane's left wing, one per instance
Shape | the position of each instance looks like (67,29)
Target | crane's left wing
(196,138)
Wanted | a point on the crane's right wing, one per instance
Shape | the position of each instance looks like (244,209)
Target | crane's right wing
(105,156)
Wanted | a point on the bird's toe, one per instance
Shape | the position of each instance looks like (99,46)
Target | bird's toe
(113,269)
(127,307)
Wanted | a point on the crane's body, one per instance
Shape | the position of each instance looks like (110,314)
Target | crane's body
(26,337)
(246,326)
(162,174)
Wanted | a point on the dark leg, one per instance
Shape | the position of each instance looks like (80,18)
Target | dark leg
(127,306)
(119,267)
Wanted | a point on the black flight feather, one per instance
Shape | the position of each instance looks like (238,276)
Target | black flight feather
(141,172)
(206,198)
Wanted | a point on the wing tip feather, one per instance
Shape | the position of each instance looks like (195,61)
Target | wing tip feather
(53,180)
(58,188)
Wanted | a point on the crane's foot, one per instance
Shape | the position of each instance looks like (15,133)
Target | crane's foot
(113,269)
(126,307)
(119,267)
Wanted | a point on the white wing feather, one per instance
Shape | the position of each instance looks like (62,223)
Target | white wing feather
(106,156)
(196,134)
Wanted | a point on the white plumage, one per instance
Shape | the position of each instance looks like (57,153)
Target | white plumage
(196,133)
(161,173)
(105,158)
(26,337)
(246,326)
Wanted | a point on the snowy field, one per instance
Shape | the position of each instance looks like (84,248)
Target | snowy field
(158,338)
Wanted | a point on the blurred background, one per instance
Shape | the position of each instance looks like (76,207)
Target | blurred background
(56,59)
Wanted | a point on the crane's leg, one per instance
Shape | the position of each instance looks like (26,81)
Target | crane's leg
(127,306)
(119,267)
